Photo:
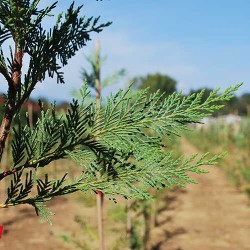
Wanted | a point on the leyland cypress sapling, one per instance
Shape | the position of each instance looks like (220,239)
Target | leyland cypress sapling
(112,140)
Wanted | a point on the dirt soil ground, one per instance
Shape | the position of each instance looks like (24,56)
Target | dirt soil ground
(23,230)
(209,216)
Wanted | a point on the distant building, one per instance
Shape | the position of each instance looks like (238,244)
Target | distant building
(230,119)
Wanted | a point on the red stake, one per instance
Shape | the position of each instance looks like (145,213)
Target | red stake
(99,192)
(1,231)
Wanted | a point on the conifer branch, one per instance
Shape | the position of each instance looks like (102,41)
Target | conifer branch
(128,158)
(121,139)
(49,50)
(14,85)
(4,69)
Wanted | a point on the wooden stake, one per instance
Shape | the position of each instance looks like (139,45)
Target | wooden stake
(30,112)
(100,218)
(100,196)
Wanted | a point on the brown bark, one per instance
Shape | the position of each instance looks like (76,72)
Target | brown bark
(11,107)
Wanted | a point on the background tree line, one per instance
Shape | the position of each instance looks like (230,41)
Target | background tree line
(238,105)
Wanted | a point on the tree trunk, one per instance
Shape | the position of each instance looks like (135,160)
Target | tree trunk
(129,223)
(100,218)
(100,195)
(11,105)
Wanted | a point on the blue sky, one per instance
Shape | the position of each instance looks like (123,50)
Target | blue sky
(197,42)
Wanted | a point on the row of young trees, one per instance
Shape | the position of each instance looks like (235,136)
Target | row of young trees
(117,144)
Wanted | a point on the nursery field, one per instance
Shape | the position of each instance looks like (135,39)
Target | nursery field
(212,215)
(219,135)
(115,156)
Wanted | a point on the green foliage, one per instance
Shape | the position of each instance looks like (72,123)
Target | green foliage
(95,62)
(136,242)
(44,212)
(156,82)
(237,105)
(116,214)
(90,235)
(206,93)
(114,141)
(48,50)
(90,231)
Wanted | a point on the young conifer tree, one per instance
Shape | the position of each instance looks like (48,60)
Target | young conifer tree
(93,80)
(112,140)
